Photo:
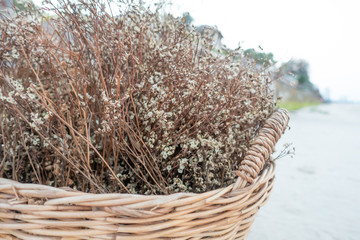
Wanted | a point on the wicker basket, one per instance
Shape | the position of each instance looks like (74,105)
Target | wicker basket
(33,211)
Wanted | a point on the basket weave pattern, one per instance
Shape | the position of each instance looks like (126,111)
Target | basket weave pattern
(33,211)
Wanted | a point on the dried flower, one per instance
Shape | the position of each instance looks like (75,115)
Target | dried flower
(137,102)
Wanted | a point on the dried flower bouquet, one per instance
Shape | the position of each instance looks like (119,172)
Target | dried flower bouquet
(134,102)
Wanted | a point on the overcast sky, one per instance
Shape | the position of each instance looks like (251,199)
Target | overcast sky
(324,33)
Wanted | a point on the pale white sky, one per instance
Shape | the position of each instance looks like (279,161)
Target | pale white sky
(324,33)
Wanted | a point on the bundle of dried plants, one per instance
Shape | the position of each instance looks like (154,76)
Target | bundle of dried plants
(133,101)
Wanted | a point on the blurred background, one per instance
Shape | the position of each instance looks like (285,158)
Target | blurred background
(314,48)
(318,37)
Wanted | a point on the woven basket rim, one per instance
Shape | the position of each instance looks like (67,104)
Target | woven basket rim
(68,195)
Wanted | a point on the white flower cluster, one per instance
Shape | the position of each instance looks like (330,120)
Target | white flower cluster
(182,164)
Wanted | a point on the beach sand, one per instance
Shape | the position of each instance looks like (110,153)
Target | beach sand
(316,193)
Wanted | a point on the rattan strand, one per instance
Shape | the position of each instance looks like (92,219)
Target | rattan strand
(33,211)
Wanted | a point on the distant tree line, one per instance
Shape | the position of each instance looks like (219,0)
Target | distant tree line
(295,69)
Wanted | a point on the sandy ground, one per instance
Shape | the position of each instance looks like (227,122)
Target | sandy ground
(316,193)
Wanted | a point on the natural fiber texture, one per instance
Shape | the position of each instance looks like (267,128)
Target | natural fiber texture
(32,211)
